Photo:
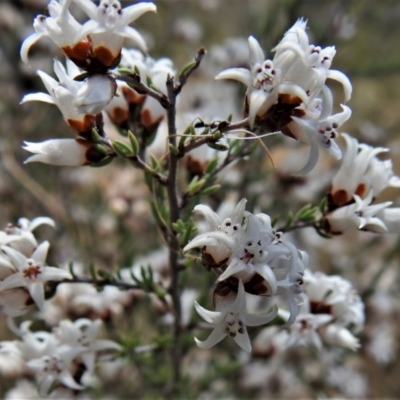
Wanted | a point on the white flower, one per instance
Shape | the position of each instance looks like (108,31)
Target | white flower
(14,302)
(359,215)
(63,94)
(83,333)
(32,273)
(232,320)
(61,27)
(361,172)
(289,94)
(55,368)
(94,95)
(151,112)
(20,236)
(108,26)
(63,152)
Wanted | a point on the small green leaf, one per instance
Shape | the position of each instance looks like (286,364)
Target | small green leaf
(101,149)
(122,149)
(134,143)
(92,270)
(154,162)
(105,275)
(187,68)
(211,165)
(102,163)
(137,70)
(96,136)
(195,187)
(173,149)
(149,81)
(81,77)
(218,146)
(211,189)
(125,71)
(71,269)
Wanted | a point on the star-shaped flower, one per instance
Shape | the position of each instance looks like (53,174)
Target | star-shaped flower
(232,320)
(32,273)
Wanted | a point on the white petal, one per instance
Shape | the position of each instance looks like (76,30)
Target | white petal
(215,337)
(311,162)
(256,53)
(135,36)
(88,7)
(243,340)
(17,258)
(233,268)
(343,79)
(66,379)
(239,305)
(242,75)
(28,42)
(104,344)
(238,212)
(266,272)
(209,316)
(46,98)
(62,152)
(88,361)
(12,281)
(342,117)
(294,90)
(211,217)
(256,320)
(257,100)
(45,385)
(131,13)
(41,221)
(36,290)
(293,308)
(54,274)
(40,254)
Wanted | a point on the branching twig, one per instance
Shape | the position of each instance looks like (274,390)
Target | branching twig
(222,127)
(100,282)
(186,74)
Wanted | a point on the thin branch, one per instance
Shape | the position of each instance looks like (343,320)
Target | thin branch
(100,282)
(192,67)
(174,248)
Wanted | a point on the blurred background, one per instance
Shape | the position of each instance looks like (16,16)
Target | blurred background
(103,214)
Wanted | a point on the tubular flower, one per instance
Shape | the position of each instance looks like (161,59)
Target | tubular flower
(362,177)
(288,93)
(83,334)
(62,28)
(20,236)
(108,26)
(151,112)
(361,171)
(244,246)
(64,152)
(77,101)
(31,273)
(231,319)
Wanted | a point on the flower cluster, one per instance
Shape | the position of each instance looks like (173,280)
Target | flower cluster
(87,84)
(352,197)
(60,357)
(249,256)
(23,269)
(288,93)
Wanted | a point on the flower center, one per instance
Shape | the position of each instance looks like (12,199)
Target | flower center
(32,270)
(234,324)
